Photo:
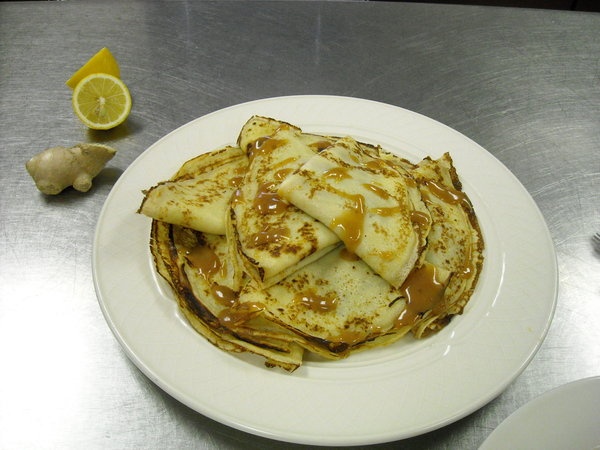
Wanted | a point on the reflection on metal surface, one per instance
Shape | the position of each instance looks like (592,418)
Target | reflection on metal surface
(522,83)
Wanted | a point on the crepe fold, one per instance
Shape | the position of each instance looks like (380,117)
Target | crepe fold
(274,238)
(366,203)
(198,194)
(291,242)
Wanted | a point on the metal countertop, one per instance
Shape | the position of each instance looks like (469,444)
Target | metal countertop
(522,83)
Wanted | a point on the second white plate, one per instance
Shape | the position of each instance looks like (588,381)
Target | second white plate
(567,417)
(380,395)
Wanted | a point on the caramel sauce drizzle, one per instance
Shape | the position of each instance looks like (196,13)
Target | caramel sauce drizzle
(386,255)
(237,197)
(352,337)
(268,235)
(237,314)
(420,219)
(316,302)
(354,158)
(205,260)
(263,146)
(466,271)
(468,267)
(446,194)
(349,337)
(223,295)
(378,191)
(337,173)
(235,181)
(423,291)
(282,174)
(285,162)
(373,164)
(388,210)
(410,182)
(376,165)
(350,223)
(267,201)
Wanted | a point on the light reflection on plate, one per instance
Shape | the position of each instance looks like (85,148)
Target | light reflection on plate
(567,417)
(379,395)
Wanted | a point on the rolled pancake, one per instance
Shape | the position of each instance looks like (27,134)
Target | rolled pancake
(373,207)
(198,195)
(272,237)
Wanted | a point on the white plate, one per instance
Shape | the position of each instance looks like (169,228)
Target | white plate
(376,396)
(567,417)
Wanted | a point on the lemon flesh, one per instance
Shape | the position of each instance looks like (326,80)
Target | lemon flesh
(101,62)
(101,101)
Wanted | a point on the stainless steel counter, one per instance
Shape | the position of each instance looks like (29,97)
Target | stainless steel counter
(524,84)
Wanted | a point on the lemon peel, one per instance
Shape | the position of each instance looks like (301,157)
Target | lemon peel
(101,62)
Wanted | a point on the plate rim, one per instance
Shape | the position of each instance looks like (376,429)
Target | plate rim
(181,396)
(552,396)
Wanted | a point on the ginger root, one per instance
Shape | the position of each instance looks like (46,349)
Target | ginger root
(57,168)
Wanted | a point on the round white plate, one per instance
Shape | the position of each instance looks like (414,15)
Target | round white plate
(565,417)
(379,395)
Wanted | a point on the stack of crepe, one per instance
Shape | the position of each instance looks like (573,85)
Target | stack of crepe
(291,242)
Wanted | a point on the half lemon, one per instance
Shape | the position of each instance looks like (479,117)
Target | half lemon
(101,101)
(101,62)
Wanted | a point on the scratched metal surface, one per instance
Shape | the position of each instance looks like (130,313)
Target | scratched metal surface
(525,84)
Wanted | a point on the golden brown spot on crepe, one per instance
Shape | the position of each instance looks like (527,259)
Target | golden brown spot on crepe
(320,145)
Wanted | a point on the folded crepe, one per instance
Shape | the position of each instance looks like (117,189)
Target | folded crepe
(455,241)
(198,269)
(197,196)
(333,305)
(272,237)
(371,206)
